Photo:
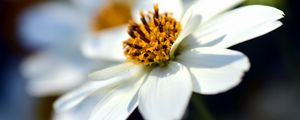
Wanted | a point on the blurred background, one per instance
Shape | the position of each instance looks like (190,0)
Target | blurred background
(269,91)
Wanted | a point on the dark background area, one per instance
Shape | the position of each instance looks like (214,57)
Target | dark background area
(269,91)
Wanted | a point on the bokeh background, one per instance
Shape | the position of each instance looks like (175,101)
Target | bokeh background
(269,91)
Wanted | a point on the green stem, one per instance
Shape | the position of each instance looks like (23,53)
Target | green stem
(201,109)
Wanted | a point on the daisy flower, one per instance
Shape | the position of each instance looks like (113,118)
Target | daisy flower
(170,55)
(57,29)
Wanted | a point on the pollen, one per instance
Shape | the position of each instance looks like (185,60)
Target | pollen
(151,40)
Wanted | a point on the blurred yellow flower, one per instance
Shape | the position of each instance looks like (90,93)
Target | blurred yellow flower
(57,29)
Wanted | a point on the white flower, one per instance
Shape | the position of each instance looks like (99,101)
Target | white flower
(57,28)
(159,77)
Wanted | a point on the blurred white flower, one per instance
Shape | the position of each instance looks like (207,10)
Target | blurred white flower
(168,60)
(57,29)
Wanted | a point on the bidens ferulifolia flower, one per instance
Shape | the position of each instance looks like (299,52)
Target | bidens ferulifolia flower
(168,59)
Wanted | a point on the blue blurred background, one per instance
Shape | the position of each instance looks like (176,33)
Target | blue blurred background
(269,91)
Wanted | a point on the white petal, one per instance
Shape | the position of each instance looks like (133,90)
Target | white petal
(42,88)
(165,93)
(248,33)
(238,26)
(66,116)
(124,69)
(88,95)
(188,3)
(106,44)
(50,24)
(210,8)
(75,97)
(173,6)
(190,23)
(118,102)
(214,70)
(51,74)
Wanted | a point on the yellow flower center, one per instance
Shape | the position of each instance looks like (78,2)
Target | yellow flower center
(151,41)
(113,14)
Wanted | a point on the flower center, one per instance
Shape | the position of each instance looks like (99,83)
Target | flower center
(151,41)
(111,15)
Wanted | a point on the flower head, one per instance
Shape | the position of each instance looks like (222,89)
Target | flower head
(151,41)
(169,58)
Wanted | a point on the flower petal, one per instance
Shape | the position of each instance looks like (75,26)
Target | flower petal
(66,116)
(214,70)
(164,6)
(85,97)
(50,24)
(238,26)
(107,44)
(124,69)
(210,8)
(189,22)
(188,3)
(51,74)
(75,97)
(165,93)
(118,102)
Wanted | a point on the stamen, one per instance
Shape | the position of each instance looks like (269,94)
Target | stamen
(156,11)
(151,40)
(144,22)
